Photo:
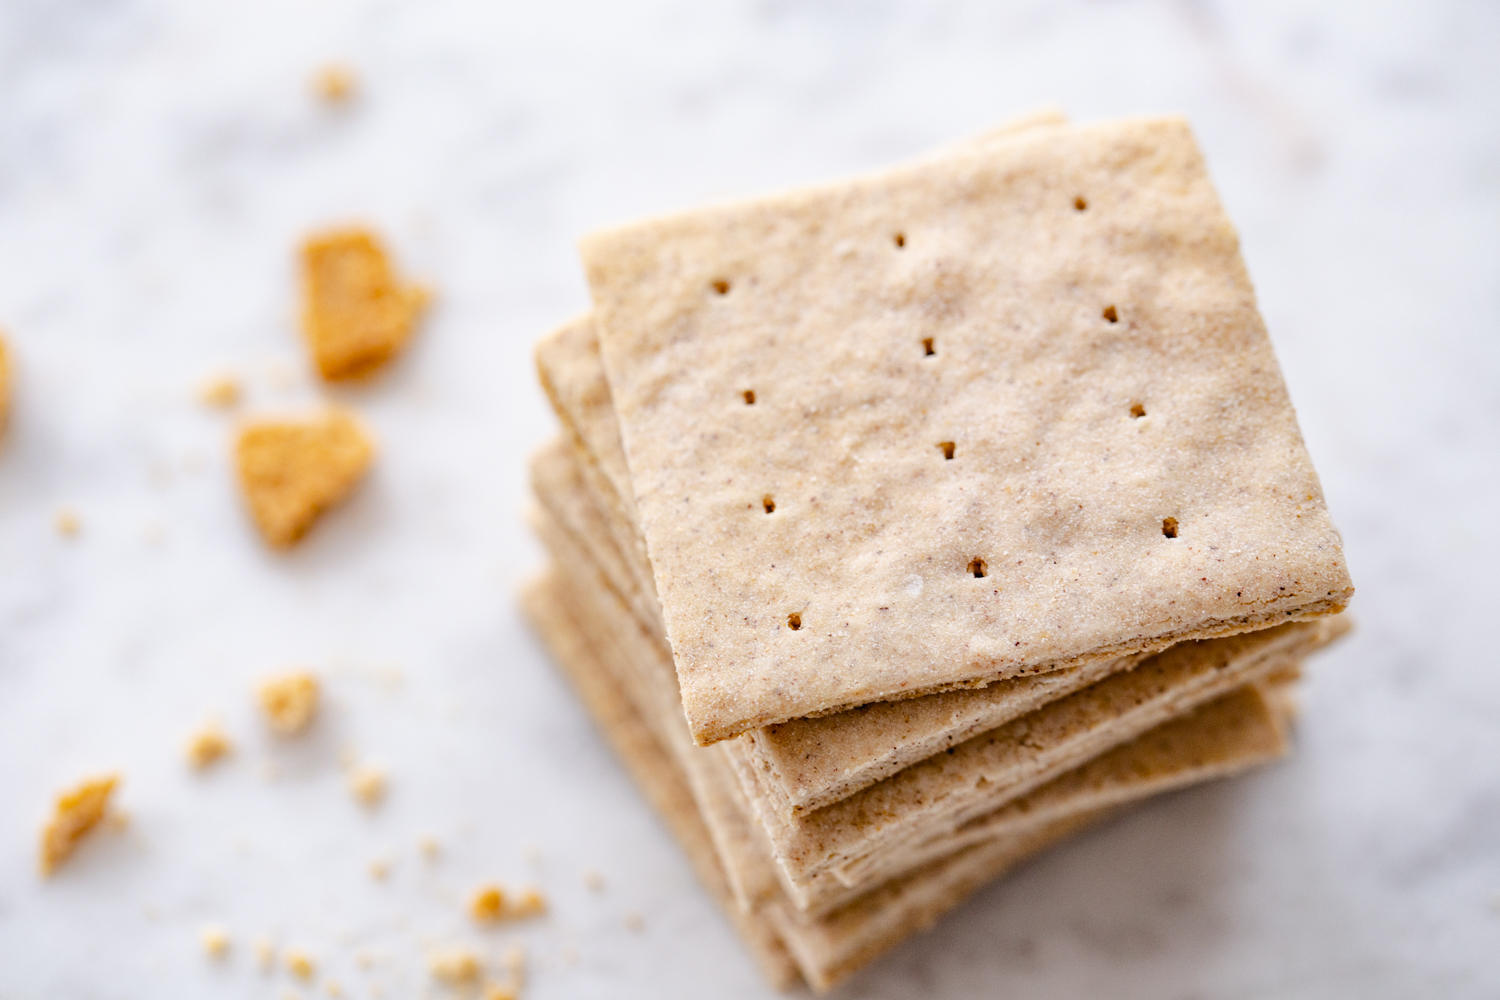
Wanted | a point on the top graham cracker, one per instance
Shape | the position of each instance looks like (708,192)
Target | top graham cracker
(998,412)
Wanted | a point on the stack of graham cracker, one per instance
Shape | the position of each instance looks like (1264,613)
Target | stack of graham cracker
(905,525)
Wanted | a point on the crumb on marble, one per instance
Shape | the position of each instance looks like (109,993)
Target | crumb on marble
(76,811)
(530,903)
(215,941)
(300,964)
(356,315)
(333,988)
(67,522)
(593,881)
(289,701)
(635,923)
(455,966)
(291,471)
(221,391)
(4,383)
(493,990)
(488,903)
(208,744)
(380,868)
(430,848)
(334,83)
(368,785)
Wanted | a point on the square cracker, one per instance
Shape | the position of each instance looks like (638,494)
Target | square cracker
(1103,376)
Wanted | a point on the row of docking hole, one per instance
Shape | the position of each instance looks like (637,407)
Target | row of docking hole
(977,567)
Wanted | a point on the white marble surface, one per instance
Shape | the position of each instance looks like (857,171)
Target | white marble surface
(158,160)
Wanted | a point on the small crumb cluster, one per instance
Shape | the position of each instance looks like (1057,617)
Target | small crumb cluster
(289,701)
(491,903)
(208,744)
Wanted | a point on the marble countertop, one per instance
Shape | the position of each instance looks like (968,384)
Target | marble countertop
(159,160)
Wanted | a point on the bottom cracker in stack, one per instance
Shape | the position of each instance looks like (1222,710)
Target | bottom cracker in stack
(1234,732)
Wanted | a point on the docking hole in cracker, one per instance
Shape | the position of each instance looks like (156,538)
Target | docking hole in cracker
(768,503)
(1111,315)
(749,397)
(947,447)
(721,286)
(794,621)
(1080,203)
(1137,410)
(900,240)
(1169,527)
(978,567)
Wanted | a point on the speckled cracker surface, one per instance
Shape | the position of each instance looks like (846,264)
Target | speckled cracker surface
(1069,312)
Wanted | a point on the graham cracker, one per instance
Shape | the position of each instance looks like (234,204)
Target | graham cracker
(651,766)
(862,835)
(1067,314)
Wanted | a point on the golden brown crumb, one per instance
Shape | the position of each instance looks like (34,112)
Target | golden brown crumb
(300,963)
(488,903)
(368,785)
(593,881)
(293,470)
(530,903)
(334,83)
(215,941)
(289,701)
(355,314)
(515,964)
(455,966)
(207,745)
(430,848)
(4,385)
(491,903)
(67,523)
(220,391)
(76,812)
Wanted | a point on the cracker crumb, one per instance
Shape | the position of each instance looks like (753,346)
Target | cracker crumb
(300,964)
(379,869)
(355,314)
(215,941)
(222,392)
(455,966)
(291,471)
(67,522)
(265,955)
(333,988)
(368,786)
(499,991)
(208,744)
(430,848)
(334,83)
(593,881)
(488,903)
(289,701)
(74,814)
(4,385)
(531,903)
(635,923)
(515,964)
